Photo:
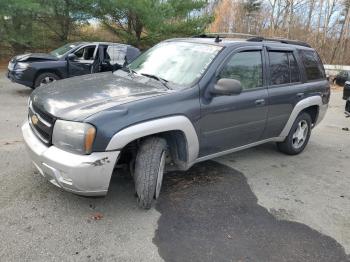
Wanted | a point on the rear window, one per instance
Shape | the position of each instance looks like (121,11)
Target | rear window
(116,54)
(313,65)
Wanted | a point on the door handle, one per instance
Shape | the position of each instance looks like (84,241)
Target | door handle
(260,102)
(300,95)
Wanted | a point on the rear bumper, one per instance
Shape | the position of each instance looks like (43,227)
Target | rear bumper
(19,77)
(321,113)
(346,91)
(347,107)
(87,175)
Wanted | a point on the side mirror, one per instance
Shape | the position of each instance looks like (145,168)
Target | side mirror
(71,57)
(227,87)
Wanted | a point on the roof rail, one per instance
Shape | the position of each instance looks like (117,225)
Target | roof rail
(251,38)
(223,35)
(279,40)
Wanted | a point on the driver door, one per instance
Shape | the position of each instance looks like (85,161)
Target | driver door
(83,62)
(230,121)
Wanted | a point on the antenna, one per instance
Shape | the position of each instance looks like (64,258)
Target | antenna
(217,39)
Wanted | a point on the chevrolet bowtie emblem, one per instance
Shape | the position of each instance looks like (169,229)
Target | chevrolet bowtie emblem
(35,119)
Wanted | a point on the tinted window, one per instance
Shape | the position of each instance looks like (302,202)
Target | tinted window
(245,67)
(279,68)
(294,69)
(283,68)
(313,67)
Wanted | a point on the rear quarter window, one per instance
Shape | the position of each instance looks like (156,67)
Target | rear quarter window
(312,64)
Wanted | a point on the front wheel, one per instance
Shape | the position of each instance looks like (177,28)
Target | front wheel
(45,78)
(298,136)
(149,169)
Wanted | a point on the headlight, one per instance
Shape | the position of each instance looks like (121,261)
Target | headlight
(73,136)
(21,66)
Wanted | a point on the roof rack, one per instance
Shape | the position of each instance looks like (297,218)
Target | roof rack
(279,40)
(223,35)
(251,38)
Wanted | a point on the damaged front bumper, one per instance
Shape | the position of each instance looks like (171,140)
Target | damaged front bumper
(87,175)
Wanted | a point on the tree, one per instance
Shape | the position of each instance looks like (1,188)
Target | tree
(251,7)
(144,22)
(345,22)
(17,23)
(62,17)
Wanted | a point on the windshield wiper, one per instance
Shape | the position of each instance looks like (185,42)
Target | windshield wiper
(159,79)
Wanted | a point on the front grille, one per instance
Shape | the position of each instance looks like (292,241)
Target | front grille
(41,124)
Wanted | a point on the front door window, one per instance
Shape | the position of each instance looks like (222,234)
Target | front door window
(245,67)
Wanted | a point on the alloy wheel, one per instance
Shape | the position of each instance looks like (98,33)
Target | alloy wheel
(300,134)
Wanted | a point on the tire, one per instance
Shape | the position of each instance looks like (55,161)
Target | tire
(45,78)
(149,169)
(298,137)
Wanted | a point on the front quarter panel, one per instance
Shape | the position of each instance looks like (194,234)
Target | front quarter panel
(59,67)
(175,103)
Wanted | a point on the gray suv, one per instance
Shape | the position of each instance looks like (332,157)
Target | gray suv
(182,102)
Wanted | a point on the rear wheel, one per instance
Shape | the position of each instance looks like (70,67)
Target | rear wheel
(45,78)
(298,136)
(149,169)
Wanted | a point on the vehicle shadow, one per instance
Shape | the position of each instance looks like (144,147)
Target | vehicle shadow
(24,92)
(211,214)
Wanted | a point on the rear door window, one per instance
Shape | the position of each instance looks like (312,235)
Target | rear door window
(283,68)
(117,54)
(294,69)
(313,65)
(279,68)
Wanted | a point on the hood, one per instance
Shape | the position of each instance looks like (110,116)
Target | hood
(34,57)
(79,97)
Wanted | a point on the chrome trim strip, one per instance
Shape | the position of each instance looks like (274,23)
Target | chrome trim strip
(172,123)
(232,150)
(38,115)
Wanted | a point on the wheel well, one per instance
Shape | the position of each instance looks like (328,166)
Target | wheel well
(177,144)
(313,112)
(46,71)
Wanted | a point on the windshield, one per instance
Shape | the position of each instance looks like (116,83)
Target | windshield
(180,63)
(62,50)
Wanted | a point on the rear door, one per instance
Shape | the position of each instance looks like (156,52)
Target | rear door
(285,87)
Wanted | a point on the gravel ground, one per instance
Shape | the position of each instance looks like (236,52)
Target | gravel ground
(296,199)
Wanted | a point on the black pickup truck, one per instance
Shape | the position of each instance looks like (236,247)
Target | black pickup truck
(72,59)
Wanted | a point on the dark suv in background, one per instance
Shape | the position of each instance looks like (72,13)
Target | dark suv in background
(342,77)
(181,102)
(73,59)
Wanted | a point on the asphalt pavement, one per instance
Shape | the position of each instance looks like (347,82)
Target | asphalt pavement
(255,205)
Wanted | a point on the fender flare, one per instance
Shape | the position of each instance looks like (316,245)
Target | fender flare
(171,123)
(300,106)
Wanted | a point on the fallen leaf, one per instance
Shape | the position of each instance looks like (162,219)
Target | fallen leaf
(97,216)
